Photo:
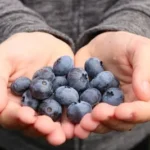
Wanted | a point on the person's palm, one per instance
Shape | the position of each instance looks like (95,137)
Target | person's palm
(127,56)
(22,55)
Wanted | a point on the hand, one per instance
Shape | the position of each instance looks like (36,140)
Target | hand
(128,57)
(22,55)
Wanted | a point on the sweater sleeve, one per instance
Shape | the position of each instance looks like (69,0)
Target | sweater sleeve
(15,18)
(125,15)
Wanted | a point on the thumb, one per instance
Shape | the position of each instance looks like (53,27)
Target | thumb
(81,56)
(141,72)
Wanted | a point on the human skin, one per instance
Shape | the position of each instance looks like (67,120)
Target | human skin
(127,56)
(22,55)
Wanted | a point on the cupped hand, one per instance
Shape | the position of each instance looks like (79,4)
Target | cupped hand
(21,55)
(127,56)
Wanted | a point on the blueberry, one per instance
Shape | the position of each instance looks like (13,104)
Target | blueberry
(63,65)
(44,73)
(59,81)
(115,82)
(93,66)
(41,89)
(91,96)
(28,100)
(78,79)
(66,95)
(103,81)
(20,85)
(76,111)
(51,108)
(113,96)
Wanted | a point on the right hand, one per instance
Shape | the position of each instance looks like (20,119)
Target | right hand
(21,55)
(127,56)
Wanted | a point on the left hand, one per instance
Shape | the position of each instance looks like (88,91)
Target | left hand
(23,54)
(127,56)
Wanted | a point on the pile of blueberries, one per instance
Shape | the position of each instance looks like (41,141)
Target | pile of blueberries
(64,86)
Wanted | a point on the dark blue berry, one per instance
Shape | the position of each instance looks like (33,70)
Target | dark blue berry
(28,100)
(91,96)
(66,95)
(20,85)
(76,111)
(113,96)
(59,81)
(45,73)
(63,65)
(41,89)
(78,79)
(115,82)
(103,81)
(51,108)
(93,67)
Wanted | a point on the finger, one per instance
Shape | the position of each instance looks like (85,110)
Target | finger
(101,129)
(103,111)
(80,132)
(91,125)
(57,137)
(32,132)
(118,125)
(8,117)
(141,75)
(44,125)
(106,115)
(135,112)
(67,126)
(26,115)
(81,57)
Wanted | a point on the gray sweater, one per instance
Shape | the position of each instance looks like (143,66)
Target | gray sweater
(75,22)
